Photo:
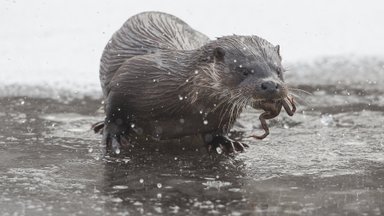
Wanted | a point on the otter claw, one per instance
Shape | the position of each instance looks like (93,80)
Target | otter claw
(98,127)
(115,146)
(222,144)
(240,147)
(113,143)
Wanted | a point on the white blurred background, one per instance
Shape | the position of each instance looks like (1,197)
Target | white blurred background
(59,42)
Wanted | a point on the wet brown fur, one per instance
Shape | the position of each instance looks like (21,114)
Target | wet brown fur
(164,79)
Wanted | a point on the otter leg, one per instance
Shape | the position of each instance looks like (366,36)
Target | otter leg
(114,137)
(116,124)
(223,144)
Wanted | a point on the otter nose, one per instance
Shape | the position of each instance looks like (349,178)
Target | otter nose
(270,86)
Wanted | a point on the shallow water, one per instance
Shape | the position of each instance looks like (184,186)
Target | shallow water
(328,159)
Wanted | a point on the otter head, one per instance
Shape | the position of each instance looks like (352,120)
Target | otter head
(249,66)
(246,70)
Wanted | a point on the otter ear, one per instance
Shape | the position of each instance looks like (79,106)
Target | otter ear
(219,53)
(277,49)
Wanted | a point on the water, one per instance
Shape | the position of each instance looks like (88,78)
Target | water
(328,159)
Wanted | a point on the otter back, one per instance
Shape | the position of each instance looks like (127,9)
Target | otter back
(146,33)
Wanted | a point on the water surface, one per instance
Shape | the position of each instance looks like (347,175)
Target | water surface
(328,159)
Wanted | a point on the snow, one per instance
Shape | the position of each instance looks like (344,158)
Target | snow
(58,44)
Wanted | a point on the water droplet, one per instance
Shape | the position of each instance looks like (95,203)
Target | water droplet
(117,200)
(90,150)
(201,111)
(120,187)
(240,66)
(117,84)
(180,97)
(235,60)
(141,181)
(217,177)
(154,80)
(196,71)
(219,150)
(53,125)
(159,185)
(187,80)
(159,195)
(22,102)
(132,125)
(117,151)
(205,122)
(175,158)
(118,109)
(137,203)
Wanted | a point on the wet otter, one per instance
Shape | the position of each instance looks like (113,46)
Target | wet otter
(163,79)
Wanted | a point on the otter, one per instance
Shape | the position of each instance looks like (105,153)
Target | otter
(161,78)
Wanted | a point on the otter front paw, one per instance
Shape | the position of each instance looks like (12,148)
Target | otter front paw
(113,142)
(223,144)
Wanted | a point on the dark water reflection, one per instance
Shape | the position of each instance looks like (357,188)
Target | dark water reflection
(326,160)
(187,183)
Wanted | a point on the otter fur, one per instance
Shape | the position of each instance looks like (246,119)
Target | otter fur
(161,78)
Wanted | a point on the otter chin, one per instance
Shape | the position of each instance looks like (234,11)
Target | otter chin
(164,80)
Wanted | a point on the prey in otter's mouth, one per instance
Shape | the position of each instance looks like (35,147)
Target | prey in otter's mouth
(271,110)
